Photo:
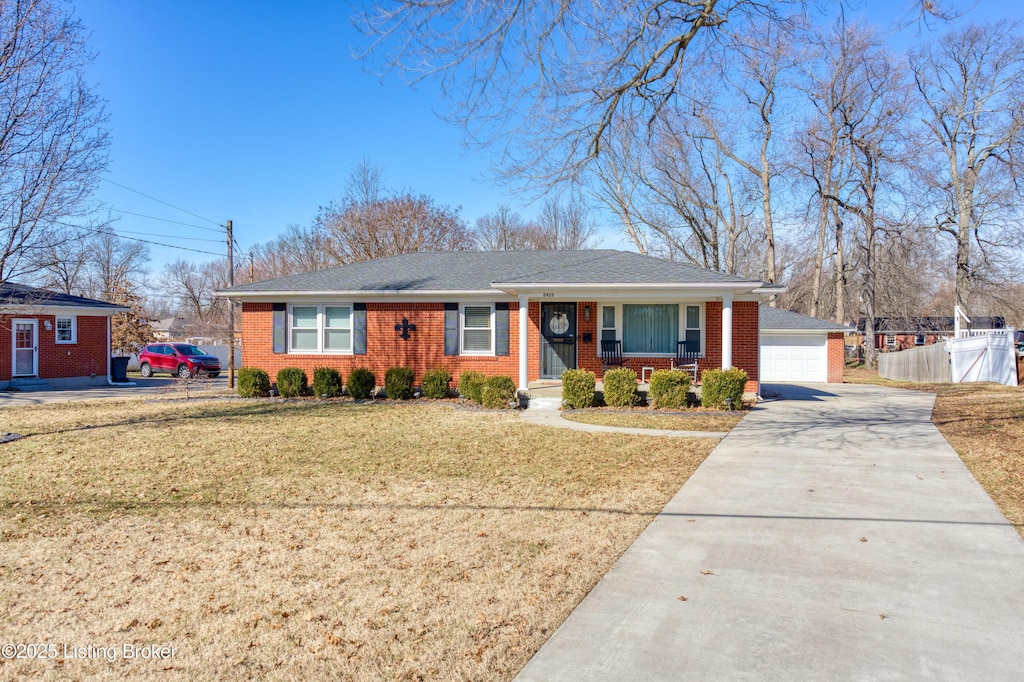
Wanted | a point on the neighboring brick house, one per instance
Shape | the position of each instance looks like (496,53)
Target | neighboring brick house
(55,339)
(901,333)
(527,314)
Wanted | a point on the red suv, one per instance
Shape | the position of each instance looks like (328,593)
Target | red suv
(182,359)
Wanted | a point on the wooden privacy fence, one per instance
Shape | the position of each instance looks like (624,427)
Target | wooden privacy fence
(926,364)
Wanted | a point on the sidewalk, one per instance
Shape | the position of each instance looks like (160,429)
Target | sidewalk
(836,536)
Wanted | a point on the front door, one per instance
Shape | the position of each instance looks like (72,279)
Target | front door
(26,344)
(557,339)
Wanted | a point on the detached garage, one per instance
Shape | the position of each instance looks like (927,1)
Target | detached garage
(800,349)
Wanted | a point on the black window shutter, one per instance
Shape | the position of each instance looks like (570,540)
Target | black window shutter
(451,328)
(359,329)
(501,328)
(280,327)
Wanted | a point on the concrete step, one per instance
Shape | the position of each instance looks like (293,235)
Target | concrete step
(30,384)
(544,402)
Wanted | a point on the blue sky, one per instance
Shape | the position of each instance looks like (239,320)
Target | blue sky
(256,111)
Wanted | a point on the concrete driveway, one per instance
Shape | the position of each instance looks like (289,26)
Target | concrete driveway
(143,388)
(833,535)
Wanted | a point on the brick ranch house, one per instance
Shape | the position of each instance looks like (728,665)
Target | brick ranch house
(54,340)
(528,315)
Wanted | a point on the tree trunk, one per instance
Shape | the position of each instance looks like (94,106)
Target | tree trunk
(840,275)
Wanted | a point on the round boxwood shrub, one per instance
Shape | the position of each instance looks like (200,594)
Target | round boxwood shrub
(620,388)
(361,383)
(669,389)
(718,384)
(498,392)
(253,382)
(326,382)
(291,382)
(471,385)
(578,388)
(398,383)
(437,383)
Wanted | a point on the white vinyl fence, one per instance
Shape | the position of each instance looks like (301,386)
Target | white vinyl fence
(925,364)
(984,357)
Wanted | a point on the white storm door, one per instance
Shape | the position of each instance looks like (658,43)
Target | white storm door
(26,348)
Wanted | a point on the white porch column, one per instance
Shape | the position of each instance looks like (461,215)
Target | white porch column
(727,331)
(524,322)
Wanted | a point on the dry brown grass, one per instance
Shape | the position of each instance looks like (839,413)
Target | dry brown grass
(698,421)
(310,541)
(985,425)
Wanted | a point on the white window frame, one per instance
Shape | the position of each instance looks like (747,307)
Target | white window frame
(682,325)
(890,340)
(462,329)
(321,321)
(74,329)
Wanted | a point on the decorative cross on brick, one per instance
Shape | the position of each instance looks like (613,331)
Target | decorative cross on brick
(405,328)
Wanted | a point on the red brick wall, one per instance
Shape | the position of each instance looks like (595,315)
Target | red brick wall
(425,349)
(385,348)
(87,357)
(836,358)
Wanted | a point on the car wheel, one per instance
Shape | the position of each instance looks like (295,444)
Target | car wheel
(183,371)
(145,370)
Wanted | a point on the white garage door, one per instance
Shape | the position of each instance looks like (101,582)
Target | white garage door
(794,358)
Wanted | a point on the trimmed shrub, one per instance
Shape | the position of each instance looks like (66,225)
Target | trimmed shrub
(620,388)
(291,382)
(253,382)
(326,382)
(437,383)
(718,384)
(361,383)
(578,388)
(471,385)
(668,389)
(498,392)
(398,383)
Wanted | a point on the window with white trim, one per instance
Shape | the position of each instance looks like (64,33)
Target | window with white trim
(477,330)
(653,328)
(320,328)
(608,323)
(66,331)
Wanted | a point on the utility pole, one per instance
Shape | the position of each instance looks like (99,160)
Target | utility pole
(250,267)
(231,308)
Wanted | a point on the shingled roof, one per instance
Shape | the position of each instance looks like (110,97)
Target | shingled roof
(480,270)
(777,319)
(23,295)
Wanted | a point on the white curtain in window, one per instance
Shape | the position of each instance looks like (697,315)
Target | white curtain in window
(650,328)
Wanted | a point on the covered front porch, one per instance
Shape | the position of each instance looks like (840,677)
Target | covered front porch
(559,331)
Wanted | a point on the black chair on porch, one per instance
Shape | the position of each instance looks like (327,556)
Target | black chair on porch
(686,360)
(611,355)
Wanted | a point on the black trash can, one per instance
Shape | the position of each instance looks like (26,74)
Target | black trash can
(119,369)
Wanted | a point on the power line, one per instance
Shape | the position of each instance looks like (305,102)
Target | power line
(161,201)
(120,233)
(144,241)
(165,220)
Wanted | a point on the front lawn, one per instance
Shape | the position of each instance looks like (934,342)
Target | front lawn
(310,540)
(696,421)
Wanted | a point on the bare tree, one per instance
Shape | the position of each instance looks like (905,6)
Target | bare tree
(618,184)
(191,285)
(971,84)
(565,224)
(297,249)
(504,230)
(52,139)
(390,226)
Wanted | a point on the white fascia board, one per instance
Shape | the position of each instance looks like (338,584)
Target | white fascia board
(800,332)
(59,310)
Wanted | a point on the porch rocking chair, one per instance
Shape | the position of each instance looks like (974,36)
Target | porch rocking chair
(686,361)
(611,355)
